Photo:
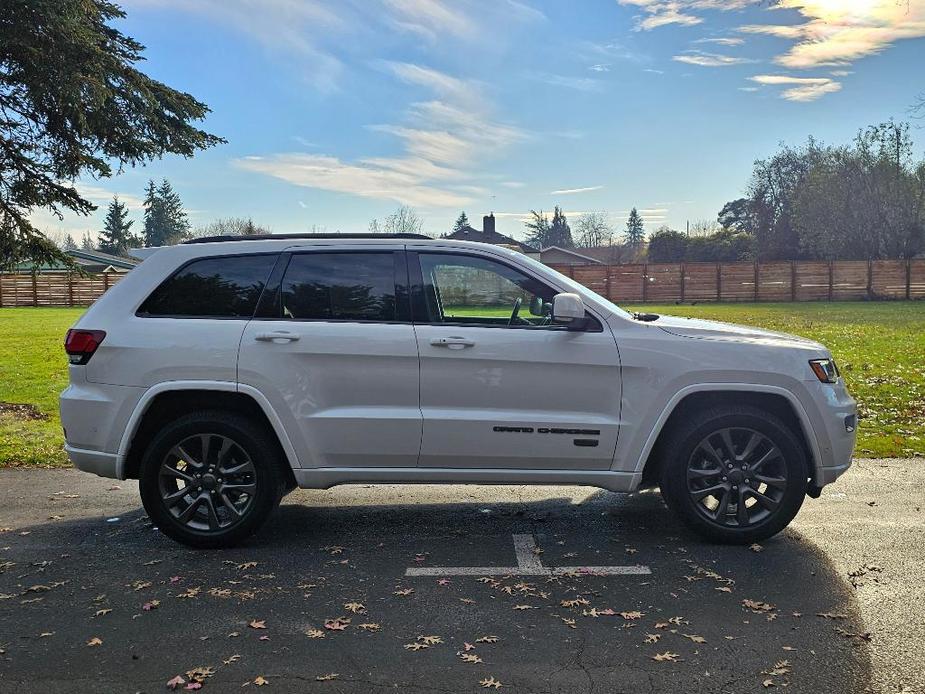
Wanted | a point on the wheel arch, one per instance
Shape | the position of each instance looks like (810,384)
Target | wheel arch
(167,401)
(780,401)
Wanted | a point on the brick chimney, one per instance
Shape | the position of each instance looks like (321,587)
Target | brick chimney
(488,223)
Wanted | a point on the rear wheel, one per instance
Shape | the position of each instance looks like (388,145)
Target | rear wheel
(734,474)
(210,479)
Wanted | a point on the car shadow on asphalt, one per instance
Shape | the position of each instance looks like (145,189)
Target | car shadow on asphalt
(730,619)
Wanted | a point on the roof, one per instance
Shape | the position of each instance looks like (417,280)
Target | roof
(571,253)
(468,233)
(98,257)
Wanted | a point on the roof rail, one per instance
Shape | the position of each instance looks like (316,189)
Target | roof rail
(273,237)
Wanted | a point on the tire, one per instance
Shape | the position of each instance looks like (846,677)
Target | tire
(232,499)
(690,484)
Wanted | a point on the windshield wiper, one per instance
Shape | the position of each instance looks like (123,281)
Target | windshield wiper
(645,317)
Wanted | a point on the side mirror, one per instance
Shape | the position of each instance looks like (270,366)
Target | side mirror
(569,310)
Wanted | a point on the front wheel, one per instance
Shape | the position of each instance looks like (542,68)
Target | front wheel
(210,479)
(734,475)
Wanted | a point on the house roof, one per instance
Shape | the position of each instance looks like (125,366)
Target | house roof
(570,252)
(98,257)
(468,233)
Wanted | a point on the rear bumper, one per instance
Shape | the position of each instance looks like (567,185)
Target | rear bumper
(97,462)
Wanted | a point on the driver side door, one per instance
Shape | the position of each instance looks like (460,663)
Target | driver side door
(500,390)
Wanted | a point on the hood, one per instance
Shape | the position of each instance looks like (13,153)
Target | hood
(715,330)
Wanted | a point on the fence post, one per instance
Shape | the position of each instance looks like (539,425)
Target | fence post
(682,282)
(70,289)
(607,282)
(870,279)
(645,282)
(1,290)
(756,281)
(35,290)
(106,280)
(830,280)
(793,281)
(719,282)
(908,279)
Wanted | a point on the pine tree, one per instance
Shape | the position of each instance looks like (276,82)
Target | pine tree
(461,221)
(560,234)
(165,221)
(86,243)
(635,231)
(539,230)
(116,236)
(69,243)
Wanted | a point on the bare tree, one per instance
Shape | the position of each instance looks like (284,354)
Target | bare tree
(404,220)
(704,227)
(230,226)
(593,230)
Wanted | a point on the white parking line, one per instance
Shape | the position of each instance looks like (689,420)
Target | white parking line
(528,564)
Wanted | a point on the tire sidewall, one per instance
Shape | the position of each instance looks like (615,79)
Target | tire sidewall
(674,477)
(251,439)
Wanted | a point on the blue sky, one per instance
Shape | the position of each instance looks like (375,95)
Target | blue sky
(337,112)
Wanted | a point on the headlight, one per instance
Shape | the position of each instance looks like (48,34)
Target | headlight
(825,369)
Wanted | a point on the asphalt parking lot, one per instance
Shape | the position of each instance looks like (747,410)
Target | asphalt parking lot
(92,598)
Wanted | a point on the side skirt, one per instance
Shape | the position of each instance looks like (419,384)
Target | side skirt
(324,478)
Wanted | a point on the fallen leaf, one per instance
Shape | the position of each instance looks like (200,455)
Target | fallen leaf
(831,615)
(103,612)
(431,640)
(525,607)
(403,592)
(315,634)
(231,659)
(490,683)
(758,606)
(339,624)
(724,589)
(767,683)
(487,639)
(416,646)
(469,658)
(667,656)
(189,593)
(192,686)
(257,624)
(260,681)
(354,607)
(756,548)
(695,638)
(781,667)
(175,682)
(468,646)
(631,615)
(652,638)
(570,623)
(369,626)
(95,641)
(151,605)
(247,565)
(328,677)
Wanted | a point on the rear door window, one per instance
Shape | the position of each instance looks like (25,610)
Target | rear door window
(219,287)
(348,286)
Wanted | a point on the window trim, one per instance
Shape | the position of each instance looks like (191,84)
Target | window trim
(400,279)
(185,316)
(419,301)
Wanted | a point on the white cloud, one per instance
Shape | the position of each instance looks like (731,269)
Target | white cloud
(724,41)
(659,13)
(442,140)
(710,59)
(430,18)
(102,197)
(581,84)
(572,191)
(805,89)
(600,67)
(838,33)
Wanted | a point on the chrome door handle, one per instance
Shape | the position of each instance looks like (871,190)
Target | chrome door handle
(452,342)
(274,336)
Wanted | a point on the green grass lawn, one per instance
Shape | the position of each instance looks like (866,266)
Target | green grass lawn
(880,348)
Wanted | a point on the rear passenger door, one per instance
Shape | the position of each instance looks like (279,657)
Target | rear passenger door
(332,348)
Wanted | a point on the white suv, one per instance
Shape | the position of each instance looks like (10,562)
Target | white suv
(224,373)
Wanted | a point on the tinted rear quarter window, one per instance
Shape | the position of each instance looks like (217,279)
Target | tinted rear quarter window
(220,287)
(339,286)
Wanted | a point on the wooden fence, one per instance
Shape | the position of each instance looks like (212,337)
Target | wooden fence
(54,288)
(841,280)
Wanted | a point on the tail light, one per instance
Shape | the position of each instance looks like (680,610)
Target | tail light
(81,344)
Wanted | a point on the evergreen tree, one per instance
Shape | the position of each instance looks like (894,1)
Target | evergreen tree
(560,234)
(166,222)
(538,235)
(86,243)
(75,106)
(116,236)
(69,243)
(461,221)
(635,231)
